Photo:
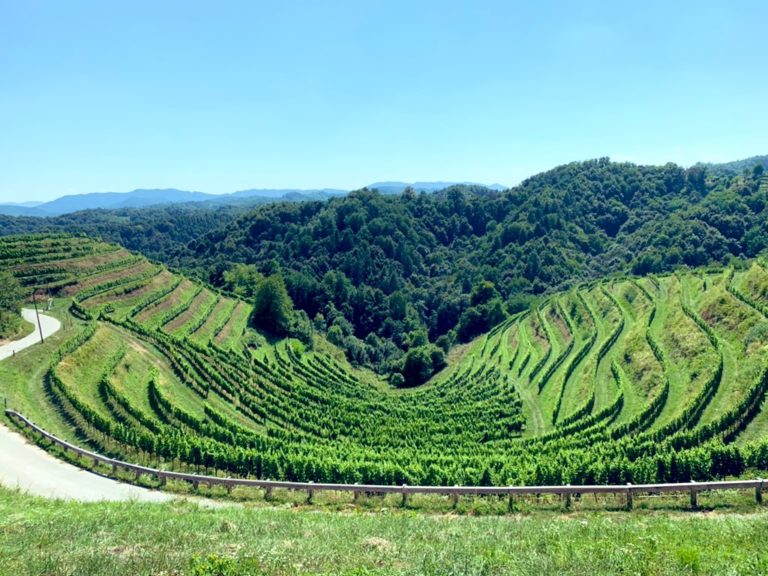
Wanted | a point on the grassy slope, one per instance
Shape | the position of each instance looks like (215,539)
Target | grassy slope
(632,352)
(25,329)
(755,282)
(230,334)
(217,318)
(58,538)
(22,376)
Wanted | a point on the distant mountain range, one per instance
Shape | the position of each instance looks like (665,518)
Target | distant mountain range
(28,204)
(143,198)
(398,187)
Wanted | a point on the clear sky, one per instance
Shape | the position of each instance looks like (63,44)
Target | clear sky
(222,96)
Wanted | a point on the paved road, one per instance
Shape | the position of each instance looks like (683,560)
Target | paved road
(33,470)
(49,324)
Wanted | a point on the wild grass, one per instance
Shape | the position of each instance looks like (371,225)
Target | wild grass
(82,370)
(21,377)
(25,329)
(59,538)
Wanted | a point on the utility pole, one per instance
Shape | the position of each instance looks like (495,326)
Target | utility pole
(40,326)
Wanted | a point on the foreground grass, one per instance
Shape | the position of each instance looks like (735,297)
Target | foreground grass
(53,537)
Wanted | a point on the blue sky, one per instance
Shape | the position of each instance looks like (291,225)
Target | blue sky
(223,96)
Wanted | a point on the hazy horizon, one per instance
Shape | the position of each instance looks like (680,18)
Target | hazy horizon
(103,97)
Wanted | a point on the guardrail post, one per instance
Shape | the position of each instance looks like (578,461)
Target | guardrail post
(229,488)
(759,492)
(694,496)
(404,503)
(511,502)
(268,493)
(310,493)
(568,498)
(630,497)
(138,475)
(163,480)
(454,498)
(356,494)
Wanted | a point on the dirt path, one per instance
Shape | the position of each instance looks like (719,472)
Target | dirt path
(33,470)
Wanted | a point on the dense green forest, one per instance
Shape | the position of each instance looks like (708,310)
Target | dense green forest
(738,166)
(159,232)
(387,275)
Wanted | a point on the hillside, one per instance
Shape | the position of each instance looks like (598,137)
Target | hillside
(643,380)
(153,197)
(149,198)
(384,269)
(740,166)
(158,232)
(379,273)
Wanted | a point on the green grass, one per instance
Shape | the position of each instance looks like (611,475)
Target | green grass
(581,383)
(63,538)
(199,310)
(154,315)
(689,353)
(733,320)
(82,370)
(22,376)
(25,329)
(231,333)
(633,354)
(130,376)
(123,303)
(216,319)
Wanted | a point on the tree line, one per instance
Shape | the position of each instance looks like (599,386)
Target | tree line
(396,281)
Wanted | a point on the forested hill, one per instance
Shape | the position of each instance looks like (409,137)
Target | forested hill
(375,271)
(385,274)
(739,166)
(159,232)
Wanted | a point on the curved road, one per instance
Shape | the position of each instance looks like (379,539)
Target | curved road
(33,470)
(49,324)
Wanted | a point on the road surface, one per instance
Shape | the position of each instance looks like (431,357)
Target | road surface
(33,470)
(49,324)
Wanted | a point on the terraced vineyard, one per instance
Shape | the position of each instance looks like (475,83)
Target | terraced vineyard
(630,380)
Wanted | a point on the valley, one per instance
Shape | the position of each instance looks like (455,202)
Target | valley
(642,380)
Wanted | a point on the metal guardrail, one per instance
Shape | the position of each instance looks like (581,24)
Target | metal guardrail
(454,492)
